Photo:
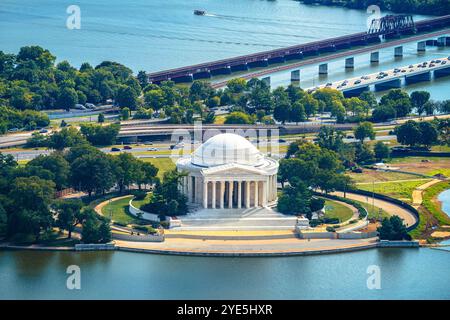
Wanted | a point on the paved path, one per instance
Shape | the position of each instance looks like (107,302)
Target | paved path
(418,192)
(281,246)
(391,208)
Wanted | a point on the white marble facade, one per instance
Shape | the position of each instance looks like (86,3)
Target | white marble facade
(227,171)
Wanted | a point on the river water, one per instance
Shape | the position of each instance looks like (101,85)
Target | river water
(405,274)
(444,198)
(160,34)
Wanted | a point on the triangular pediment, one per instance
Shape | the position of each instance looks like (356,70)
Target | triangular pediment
(236,170)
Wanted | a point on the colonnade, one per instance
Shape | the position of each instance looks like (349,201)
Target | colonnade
(230,193)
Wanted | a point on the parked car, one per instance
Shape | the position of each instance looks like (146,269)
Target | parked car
(127,148)
(90,105)
(80,107)
(43,131)
(115,149)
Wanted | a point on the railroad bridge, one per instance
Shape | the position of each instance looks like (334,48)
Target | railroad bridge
(387,27)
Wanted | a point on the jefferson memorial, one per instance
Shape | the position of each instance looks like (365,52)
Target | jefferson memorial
(226,172)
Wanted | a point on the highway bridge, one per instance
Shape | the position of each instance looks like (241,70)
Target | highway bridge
(311,49)
(390,79)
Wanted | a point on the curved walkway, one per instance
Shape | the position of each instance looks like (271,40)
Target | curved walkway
(417,194)
(393,209)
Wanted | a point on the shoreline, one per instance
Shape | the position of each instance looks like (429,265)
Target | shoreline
(307,251)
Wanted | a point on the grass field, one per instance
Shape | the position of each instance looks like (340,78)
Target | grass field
(118,211)
(336,210)
(163,164)
(369,176)
(374,211)
(398,190)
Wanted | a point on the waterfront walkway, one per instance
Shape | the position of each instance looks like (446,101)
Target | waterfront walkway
(274,247)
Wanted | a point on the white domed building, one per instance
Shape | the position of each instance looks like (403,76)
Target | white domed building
(227,171)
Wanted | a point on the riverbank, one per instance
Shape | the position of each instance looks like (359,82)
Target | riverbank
(237,248)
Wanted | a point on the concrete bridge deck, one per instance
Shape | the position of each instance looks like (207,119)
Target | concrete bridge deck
(393,79)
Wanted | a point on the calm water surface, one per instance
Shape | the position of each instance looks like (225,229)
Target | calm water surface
(153,35)
(444,198)
(405,274)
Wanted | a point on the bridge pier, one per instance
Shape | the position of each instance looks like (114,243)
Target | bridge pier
(239,67)
(350,63)
(425,76)
(262,63)
(295,76)
(442,41)
(390,84)
(202,75)
(187,78)
(421,46)
(355,92)
(442,73)
(277,60)
(375,57)
(398,51)
(266,80)
(226,70)
(323,68)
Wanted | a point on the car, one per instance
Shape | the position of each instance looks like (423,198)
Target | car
(80,107)
(148,143)
(281,140)
(90,105)
(350,136)
(432,65)
(43,131)
(115,149)
(444,62)
(329,84)
(13,130)
(152,149)
(403,70)
(411,66)
(357,81)
(357,170)
(127,148)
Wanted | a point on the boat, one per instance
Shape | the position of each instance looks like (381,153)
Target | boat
(199,12)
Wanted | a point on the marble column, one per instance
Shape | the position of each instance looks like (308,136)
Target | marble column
(205,194)
(247,194)
(256,194)
(230,194)
(213,198)
(239,194)
(222,194)
(264,193)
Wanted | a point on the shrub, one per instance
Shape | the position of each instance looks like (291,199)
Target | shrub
(139,195)
(331,229)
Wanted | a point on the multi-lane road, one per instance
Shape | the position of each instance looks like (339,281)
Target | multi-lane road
(385,77)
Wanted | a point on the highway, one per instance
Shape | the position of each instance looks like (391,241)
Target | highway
(333,56)
(387,76)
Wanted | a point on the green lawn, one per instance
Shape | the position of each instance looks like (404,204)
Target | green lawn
(118,210)
(397,190)
(336,210)
(369,176)
(139,203)
(163,164)
(374,211)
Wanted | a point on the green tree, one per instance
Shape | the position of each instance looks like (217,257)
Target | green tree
(3,222)
(69,214)
(295,200)
(92,172)
(56,164)
(393,228)
(126,97)
(408,133)
(418,100)
(297,113)
(381,151)
(94,229)
(429,134)
(330,138)
(30,206)
(238,117)
(237,85)
(101,118)
(125,113)
(99,135)
(364,130)
(126,169)
(67,98)
(399,100)
(65,138)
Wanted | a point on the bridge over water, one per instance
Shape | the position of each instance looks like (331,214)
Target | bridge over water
(300,52)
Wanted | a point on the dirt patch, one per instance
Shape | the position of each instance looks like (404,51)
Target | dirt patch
(424,167)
